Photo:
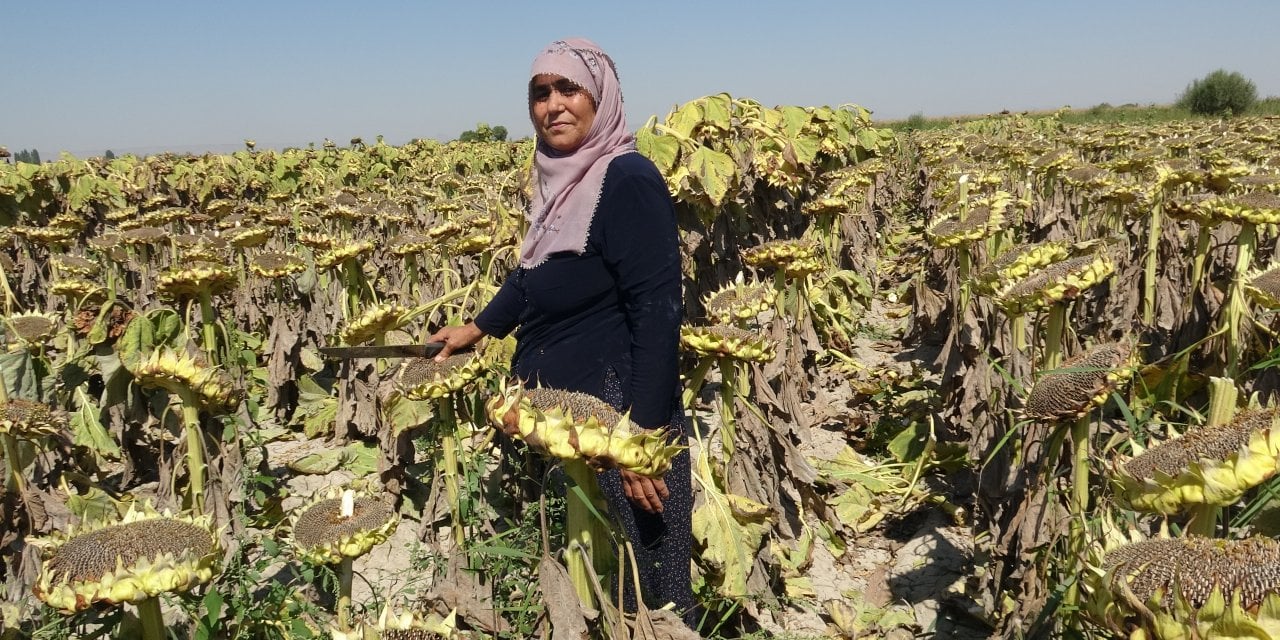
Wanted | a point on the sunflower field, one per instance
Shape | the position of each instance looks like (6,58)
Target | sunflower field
(1012,377)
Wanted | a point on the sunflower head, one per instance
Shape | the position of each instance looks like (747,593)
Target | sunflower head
(1256,207)
(472,244)
(1195,587)
(779,253)
(727,341)
(1019,262)
(32,328)
(79,289)
(426,379)
(188,377)
(29,419)
(375,322)
(411,243)
(249,236)
(739,301)
(140,556)
(1082,383)
(339,524)
(75,265)
(578,426)
(341,253)
(1212,465)
(406,625)
(276,264)
(190,283)
(1059,281)
(317,240)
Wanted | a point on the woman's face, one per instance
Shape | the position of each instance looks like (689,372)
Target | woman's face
(562,111)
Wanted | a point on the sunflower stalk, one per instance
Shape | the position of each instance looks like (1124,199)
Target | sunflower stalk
(1246,245)
(152,619)
(448,462)
(1197,266)
(964,261)
(208,328)
(1222,408)
(1055,327)
(1079,500)
(1149,271)
(16,483)
(584,528)
(695,379)
(195,451)
(728,422)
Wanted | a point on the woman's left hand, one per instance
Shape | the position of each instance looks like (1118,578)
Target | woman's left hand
(646,493)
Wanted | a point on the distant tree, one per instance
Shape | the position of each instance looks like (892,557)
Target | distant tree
(27,155)
(1221,93)
(484,133)
(109,155)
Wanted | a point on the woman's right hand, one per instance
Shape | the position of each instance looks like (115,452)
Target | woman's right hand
(456,338)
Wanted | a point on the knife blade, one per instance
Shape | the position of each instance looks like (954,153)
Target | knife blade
(427,350)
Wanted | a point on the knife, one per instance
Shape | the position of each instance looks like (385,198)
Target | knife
(427,350)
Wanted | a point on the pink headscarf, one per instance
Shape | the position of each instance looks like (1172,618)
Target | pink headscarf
(567,186)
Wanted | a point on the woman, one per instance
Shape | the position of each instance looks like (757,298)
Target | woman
(597,295)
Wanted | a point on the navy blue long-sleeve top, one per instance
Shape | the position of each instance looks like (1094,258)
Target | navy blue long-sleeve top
(615,309)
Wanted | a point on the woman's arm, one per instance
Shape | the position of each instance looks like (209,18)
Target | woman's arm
(498,318)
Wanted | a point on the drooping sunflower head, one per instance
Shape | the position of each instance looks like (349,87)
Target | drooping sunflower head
(317,240)
(578,426)
(976,223)
(1081,384)
(1018,262)
(1063,280)
(739,301)
(1257,207)
(75,265)
(406,625)
(1264,287)
(779,253)
(219,207)
(32,328)
(444,231)
(1196,586)
(341,253)
(411,243)
(249,236)
(1212,465)
(191,282)
(143,236)
(426,379)
(341,524)
(727,341)
(140,556)
(471,244)
(374,322)
(189,378)
(79,289)
(276,264)
(28,419)
(161,217)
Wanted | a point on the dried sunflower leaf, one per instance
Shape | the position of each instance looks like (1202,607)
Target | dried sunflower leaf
(87,428)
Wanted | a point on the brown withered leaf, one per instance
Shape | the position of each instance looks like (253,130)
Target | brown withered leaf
(459,591)
(563,606)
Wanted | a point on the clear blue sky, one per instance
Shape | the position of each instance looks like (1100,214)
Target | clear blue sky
(134,76)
